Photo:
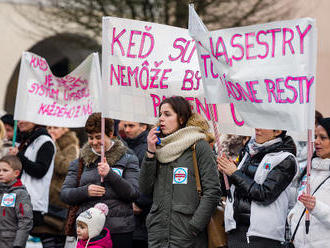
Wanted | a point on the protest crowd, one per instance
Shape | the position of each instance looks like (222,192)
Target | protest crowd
(171,181)
(57,190)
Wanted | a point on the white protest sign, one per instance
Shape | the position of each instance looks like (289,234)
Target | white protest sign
(142,63)
(266,73)
(45,99)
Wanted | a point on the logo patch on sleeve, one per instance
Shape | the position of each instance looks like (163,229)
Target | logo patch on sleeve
(119,172)
(8,200)
(180,175)
(267,166)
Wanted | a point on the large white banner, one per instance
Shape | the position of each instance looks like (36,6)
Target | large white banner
(142,63)
(266,72)
(45,99)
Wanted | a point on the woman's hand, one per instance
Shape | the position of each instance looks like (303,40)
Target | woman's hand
(309,201)
(226,165)
(152,138)
(95,190)
(13,151)
(103,168)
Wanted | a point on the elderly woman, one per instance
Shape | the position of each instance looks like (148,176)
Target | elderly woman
(120,171)
(318,203)
(178,217)
(261,189)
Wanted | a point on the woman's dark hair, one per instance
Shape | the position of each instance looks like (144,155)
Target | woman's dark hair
(325,123)
(318,116)
(181,107)
(93,124)
(8,119)
(283,134)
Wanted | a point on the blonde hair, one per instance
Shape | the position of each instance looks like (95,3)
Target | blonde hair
(2,130)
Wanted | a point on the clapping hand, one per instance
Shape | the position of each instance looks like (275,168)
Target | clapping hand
(225,165)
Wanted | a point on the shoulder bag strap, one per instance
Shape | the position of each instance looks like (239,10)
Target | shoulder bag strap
(80,171)
(196,171)
(71,216)
(295,231)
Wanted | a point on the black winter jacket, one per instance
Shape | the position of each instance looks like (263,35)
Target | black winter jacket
(278,179)
(139,145)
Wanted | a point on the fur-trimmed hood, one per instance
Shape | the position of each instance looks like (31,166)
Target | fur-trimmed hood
(198,121)
(117,150)
(231,144)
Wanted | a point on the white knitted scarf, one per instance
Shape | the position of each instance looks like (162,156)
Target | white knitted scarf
(173,145)
(321,164)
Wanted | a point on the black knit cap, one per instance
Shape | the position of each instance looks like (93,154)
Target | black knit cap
(325,123)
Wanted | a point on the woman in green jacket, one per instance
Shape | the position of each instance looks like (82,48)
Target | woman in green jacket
(178,217)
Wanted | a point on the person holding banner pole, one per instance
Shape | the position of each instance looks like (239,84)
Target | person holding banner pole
(178,216)
(120,172)
(261,188)
(36,153)
(318,201)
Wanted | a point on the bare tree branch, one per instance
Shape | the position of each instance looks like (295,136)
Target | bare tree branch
(86,15)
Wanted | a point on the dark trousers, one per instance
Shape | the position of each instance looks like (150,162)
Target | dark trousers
(52,241)
(38,218)
(237,237)
(140,244)
(258,242)
(122,240)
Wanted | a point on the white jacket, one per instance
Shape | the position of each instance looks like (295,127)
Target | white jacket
(319,230)
(273,214)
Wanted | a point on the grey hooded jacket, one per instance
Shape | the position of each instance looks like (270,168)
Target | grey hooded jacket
(16,216)
(121,185)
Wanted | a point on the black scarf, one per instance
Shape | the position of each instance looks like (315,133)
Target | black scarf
(28,137)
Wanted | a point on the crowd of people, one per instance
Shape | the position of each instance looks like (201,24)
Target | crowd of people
(143,192)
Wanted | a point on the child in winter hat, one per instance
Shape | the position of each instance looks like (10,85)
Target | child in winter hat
(90,231)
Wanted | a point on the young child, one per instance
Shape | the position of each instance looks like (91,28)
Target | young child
(90,231)
(16,216)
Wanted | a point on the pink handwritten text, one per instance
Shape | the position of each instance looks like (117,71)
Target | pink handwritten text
(65,111)
(39,63)
(141,44)
(143,78)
